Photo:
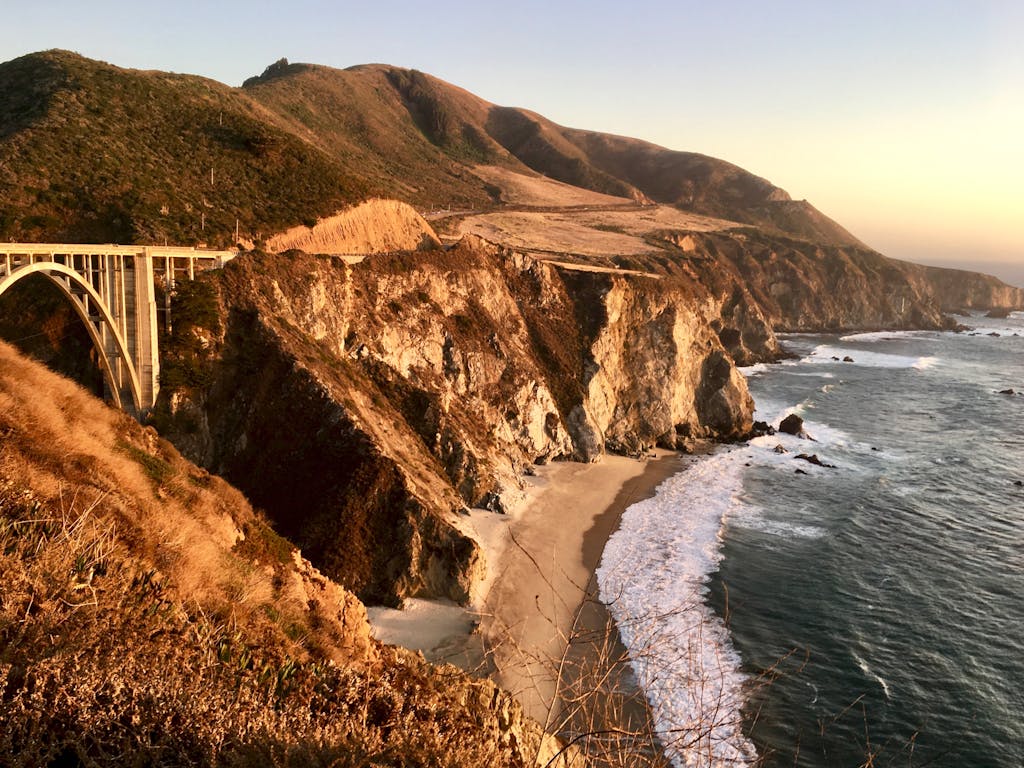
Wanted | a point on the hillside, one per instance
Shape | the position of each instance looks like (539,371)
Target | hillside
(301,142)
(423,125)
(432,295)
(149,616)
(91,152)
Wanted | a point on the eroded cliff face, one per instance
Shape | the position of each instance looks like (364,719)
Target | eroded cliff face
(793,286)
(956,289)
(363,406)
(787,285)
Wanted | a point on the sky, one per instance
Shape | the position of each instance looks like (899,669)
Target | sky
(902,120)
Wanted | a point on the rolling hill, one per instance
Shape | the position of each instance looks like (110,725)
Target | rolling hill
(90,151)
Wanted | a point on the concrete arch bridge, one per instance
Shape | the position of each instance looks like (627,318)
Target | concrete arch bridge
(112,289)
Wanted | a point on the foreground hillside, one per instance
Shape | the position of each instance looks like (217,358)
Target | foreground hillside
(149,616)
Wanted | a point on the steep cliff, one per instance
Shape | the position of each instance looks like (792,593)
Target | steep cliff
(362,405)
(149,616)
(801,287)
(957,289)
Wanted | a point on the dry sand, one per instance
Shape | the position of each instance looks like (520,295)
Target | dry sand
(541,560)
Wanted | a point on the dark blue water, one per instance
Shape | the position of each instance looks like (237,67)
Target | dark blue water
(878,606)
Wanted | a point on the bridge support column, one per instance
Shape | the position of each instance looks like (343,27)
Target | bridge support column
(146,352)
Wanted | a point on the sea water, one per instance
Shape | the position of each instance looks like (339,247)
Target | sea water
(871,612)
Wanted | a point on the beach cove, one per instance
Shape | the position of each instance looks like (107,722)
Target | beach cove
(535,625)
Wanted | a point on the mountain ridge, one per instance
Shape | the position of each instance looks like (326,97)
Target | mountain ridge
(385,129)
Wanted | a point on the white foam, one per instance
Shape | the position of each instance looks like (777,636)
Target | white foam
(753,370)
(874,675)
(883,335)
(752,518)
(653,577)
(825,353)
(1003,331)
(773,413)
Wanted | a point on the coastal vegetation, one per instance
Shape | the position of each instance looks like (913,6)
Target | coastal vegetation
(149,615)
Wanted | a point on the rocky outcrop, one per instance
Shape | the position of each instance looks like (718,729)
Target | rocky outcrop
(792,425)
(957,289)
(362,405)
(375,226)
(794,286)
(655,370)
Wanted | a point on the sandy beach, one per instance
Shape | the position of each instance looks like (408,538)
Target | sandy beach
(536,620)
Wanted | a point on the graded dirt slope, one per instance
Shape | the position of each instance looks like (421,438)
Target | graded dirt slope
(515,188)
(376,226)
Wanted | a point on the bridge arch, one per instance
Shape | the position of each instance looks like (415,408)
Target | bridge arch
(68,281)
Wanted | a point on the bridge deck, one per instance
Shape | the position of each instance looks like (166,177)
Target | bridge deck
(92,249)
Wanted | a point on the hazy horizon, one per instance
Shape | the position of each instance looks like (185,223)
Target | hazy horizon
(901,121)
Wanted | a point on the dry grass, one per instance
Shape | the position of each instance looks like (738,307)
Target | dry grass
(521,189)
(69,448)
(138,628)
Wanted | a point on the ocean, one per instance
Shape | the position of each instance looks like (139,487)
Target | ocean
(865,613)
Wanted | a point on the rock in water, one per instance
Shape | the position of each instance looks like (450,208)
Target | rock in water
(792,425)
(813,459)
(1007,392)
